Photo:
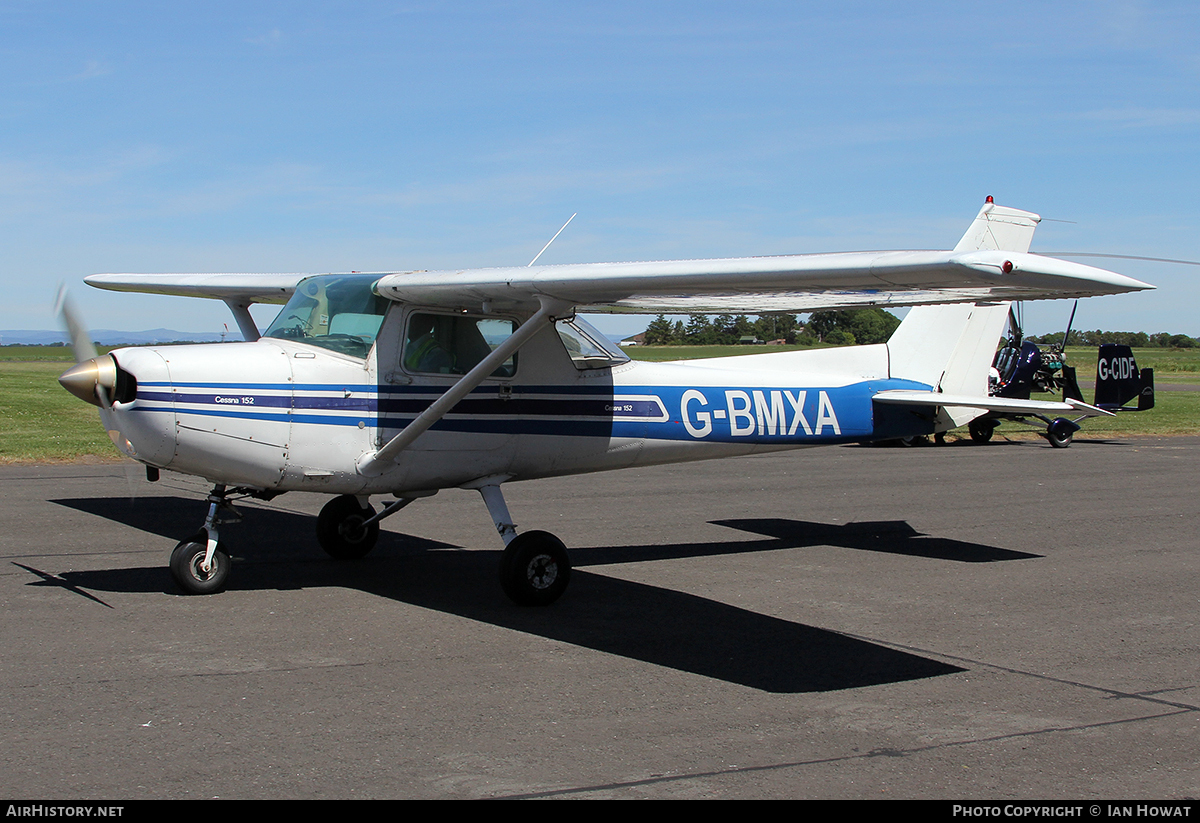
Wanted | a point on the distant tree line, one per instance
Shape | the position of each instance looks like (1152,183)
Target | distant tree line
(839,328)
(854,327)
(1135,339)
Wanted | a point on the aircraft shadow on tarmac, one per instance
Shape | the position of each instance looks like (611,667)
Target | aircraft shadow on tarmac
(634,620)
(890,536)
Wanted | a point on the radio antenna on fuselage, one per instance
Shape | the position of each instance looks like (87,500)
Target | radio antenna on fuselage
(552,239)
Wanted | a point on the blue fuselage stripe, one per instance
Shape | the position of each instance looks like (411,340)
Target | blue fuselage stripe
(732,414)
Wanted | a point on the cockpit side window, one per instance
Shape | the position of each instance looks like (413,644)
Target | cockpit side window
(588,348)
(454,344)
(341,313)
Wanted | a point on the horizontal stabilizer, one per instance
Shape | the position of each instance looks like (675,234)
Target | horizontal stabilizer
(1006,405)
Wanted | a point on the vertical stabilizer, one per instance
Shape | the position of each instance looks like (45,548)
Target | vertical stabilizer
(951,347)
(948,347)
(1119,380)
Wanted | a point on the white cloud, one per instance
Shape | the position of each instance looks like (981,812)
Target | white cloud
(93,68)
(271,38)
(1144,118)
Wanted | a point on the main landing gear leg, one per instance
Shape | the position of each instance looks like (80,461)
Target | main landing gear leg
(535,568)
(200,564)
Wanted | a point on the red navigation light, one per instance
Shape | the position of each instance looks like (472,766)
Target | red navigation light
(1007,267)
(989,199)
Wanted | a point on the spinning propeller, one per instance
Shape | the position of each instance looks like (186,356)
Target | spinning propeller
(93,377)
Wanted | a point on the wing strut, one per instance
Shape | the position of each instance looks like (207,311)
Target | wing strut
(375,463)
(241,313)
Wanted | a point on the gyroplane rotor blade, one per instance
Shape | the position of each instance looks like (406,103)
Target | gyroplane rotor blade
(1070,322)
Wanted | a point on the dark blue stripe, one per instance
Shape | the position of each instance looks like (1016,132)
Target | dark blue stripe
(713,413)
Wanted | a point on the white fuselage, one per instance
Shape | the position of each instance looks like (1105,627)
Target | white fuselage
(283,415)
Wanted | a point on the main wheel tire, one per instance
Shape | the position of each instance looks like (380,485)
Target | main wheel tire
(980,432)
(185,566)
(535,569)
(1059,433)
(340,529)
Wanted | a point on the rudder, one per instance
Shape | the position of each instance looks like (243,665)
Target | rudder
(1118,380)
(951,347)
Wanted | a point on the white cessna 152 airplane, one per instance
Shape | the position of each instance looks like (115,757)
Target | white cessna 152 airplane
(404,383)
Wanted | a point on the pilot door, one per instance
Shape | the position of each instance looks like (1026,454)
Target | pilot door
(436,349)
(327,333)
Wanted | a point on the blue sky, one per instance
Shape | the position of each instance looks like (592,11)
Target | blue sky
(380,136)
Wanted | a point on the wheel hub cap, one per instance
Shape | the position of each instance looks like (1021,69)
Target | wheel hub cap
(542,571)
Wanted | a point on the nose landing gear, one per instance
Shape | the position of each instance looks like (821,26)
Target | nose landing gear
(200,564)
(195,570)
(1060,431)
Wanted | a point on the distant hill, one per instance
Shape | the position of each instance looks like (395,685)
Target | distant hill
(112,337)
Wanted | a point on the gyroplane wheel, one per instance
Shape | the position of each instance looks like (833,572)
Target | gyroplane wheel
(535,569)
(980,432)
(1060,433)
(186,569)
(340,529)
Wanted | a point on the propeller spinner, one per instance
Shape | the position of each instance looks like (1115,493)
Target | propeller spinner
(93,378)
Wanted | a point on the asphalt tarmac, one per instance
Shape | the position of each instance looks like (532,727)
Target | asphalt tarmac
(958,622)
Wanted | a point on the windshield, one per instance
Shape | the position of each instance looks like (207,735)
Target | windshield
(339,312)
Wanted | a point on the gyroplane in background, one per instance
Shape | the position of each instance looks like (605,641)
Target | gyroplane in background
(1021,368)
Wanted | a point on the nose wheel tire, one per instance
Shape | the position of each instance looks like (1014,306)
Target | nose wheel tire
(981,432)
(535,569)
(340,529)
(1060,433)
(187,566)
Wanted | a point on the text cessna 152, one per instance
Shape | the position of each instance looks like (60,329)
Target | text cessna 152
(405,383)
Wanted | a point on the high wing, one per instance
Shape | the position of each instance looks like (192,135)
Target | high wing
(751,285)
(240,288)
(744,285)
(991,263)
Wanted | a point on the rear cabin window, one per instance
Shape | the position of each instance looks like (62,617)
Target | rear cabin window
(455,343)
(339,312)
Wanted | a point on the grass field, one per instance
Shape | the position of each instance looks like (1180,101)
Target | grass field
(53,354)
(42,422)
